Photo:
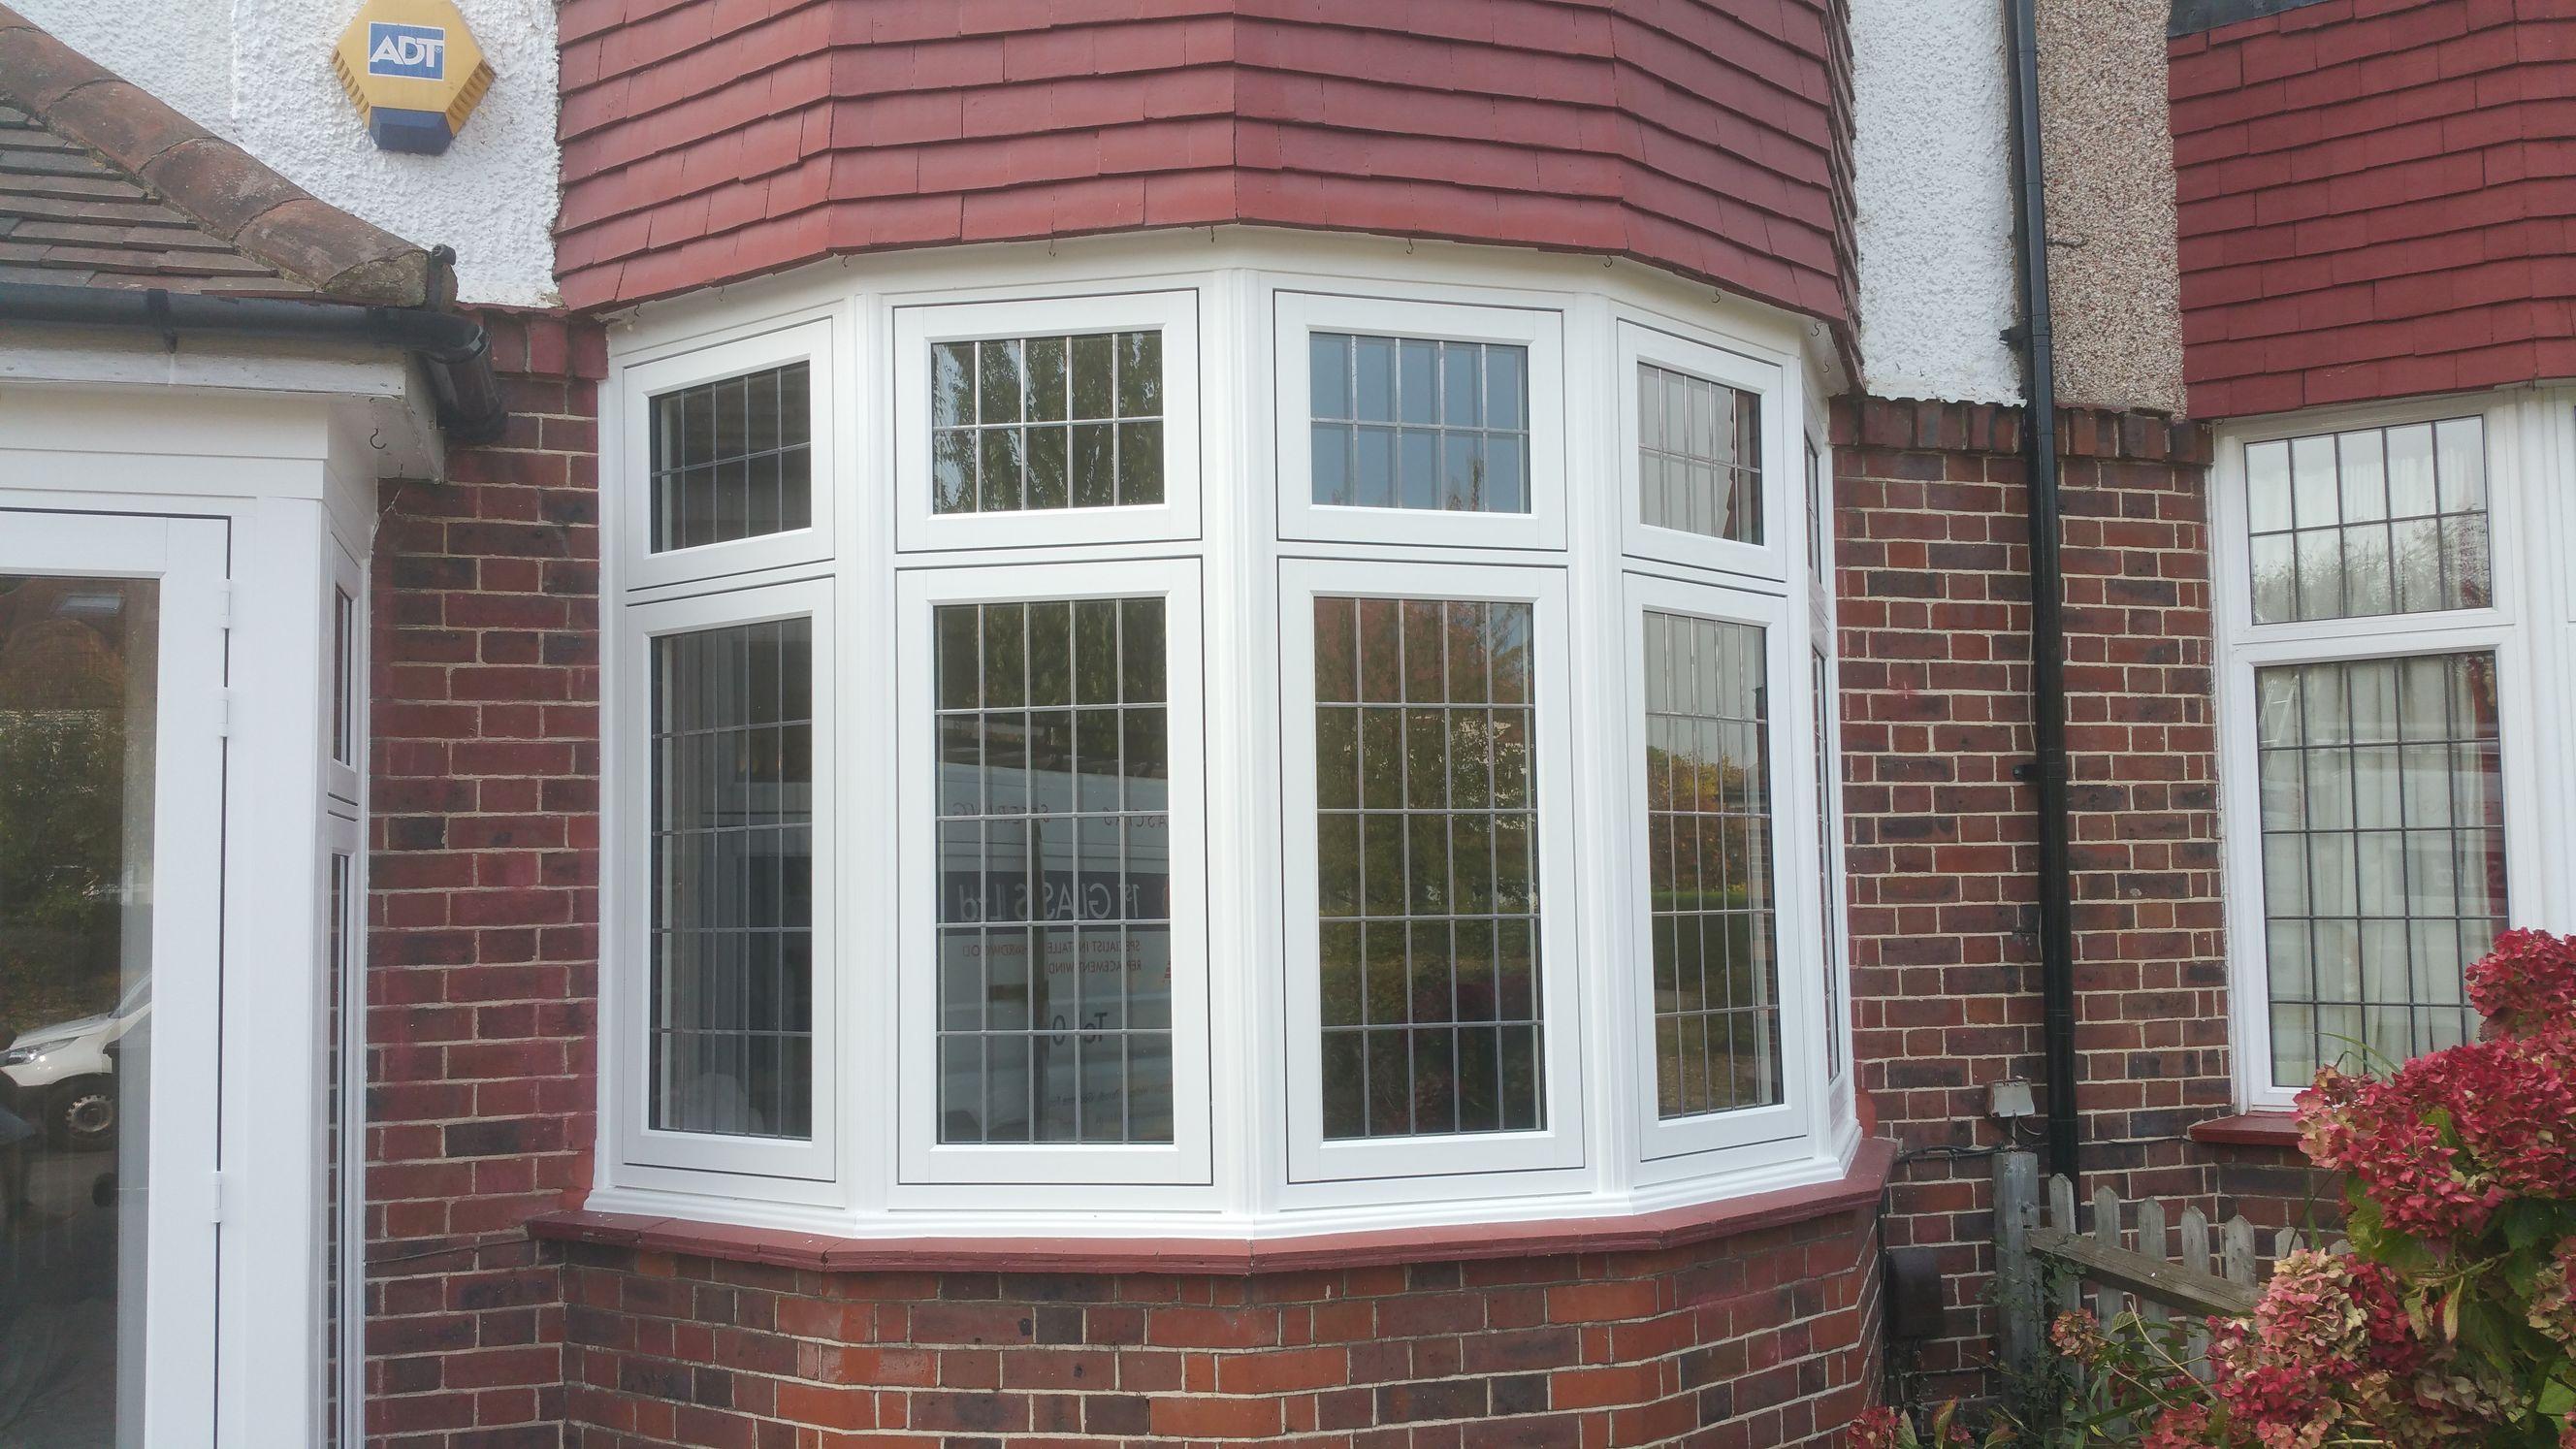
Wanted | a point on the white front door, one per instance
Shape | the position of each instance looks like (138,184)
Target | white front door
(113,656)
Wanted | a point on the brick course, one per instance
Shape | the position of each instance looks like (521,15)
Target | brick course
(1932,569)
(483,933)
(1768,1338)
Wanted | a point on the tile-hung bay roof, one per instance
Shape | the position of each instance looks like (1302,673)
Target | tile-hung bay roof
(104,185)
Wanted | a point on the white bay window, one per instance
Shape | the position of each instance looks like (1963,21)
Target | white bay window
(1215,748)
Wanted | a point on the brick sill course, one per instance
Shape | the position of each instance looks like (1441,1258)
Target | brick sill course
(2250,1129)
(1645,1232)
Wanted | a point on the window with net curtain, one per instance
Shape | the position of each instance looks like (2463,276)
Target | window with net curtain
(2381,776)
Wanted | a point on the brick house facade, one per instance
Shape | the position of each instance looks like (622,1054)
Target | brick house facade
(664,1140)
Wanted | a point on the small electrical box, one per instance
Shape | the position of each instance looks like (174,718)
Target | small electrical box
(2010,1101)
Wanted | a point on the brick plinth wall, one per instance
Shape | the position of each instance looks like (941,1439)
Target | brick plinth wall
(1769,1338)
(483,940)
(1933,577)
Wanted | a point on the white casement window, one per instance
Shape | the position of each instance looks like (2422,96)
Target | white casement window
(1426,734)
(2377,726)
(1048,421)
(1052,905)
(1216,748)
(1432,423)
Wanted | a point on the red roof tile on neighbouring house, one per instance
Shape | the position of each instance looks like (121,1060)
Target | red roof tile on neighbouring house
(103,184)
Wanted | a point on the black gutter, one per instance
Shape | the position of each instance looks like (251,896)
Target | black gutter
(2037,336)
(454,349)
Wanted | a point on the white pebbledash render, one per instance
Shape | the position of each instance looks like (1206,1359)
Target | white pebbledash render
(1216,735)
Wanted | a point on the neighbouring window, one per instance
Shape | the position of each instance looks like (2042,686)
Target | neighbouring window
(2383,853)
(1426,839)
(2369,818)
(2368,522)
(1828,882)
(732,825)
(1412,422)
(1032,424)
(732,459)
(1055,842)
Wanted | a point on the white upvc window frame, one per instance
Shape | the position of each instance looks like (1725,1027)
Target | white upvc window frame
(918,325)
(925,1161)
(1312,1158)
(1297,314)
(1783,455)
(807,337)
(1794,907)
(784,1169)
(2523,460)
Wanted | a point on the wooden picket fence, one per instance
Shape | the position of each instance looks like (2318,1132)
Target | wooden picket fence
(2167,1267)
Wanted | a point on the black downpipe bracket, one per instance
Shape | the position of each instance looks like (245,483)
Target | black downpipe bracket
(454,350)
(2037,336)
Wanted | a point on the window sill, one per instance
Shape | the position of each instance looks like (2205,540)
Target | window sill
(2249,1129)
(1644,1233)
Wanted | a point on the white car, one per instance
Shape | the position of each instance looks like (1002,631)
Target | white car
(65,1074)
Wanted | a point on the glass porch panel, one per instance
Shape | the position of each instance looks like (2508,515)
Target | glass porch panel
(1427,834)
(1055,912)
(78,671)
(1713,908)
(2382,805)
(733,459)
(732,810)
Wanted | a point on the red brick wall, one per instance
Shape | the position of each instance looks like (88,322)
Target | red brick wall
(1770,1338)
(483,943)
(1933,576)
(705,141)
(2375,201)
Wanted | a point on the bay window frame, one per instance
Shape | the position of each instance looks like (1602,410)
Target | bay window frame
(810,336)
(2524,460)
(1298,313)
(1560,1142)
(924,1161)
(1795,959)
(920,324)
(1248,1159)
(1640,342)
(789,1170)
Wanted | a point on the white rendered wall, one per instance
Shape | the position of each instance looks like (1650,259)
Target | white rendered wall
(258,73)
(1932,118)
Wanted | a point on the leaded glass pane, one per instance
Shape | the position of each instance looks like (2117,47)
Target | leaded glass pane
(733,890)
(1712,916)
(1055,912)
(2383,853)
(1699,456)
(732,459)
(1419,424)
(1428,886)
(2371,522)
(1042,424)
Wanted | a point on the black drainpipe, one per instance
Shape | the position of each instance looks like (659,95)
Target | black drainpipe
(2037,336)
(454,349)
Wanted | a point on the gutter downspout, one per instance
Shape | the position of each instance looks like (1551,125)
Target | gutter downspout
(2036,335)
(454,349)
